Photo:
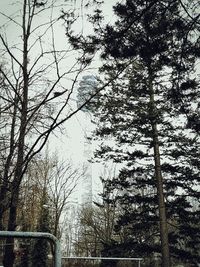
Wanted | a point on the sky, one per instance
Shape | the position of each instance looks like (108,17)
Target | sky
(69,144)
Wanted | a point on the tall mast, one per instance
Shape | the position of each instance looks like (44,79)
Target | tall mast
(86,87)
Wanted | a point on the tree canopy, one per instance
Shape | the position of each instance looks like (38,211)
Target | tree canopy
(151,113)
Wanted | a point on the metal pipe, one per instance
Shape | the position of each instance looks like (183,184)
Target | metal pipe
(106,258)
(50,237)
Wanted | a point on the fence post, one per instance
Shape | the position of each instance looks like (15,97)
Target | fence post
(50,237)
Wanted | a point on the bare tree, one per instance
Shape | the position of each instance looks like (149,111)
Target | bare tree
(36,96)
(61,186)
(47,188)
(39,82)
(96,223)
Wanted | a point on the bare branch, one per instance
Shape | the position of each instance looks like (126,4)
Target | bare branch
(9,52)
(10,18)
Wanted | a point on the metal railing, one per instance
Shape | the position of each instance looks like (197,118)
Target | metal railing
(50,237)
(57,255)
(106,258)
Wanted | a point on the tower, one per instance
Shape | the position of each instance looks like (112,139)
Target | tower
(86,86)
(87,178)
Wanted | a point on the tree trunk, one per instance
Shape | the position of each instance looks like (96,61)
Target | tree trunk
(9,256)
(159,179)
(9,249)
(161,202)
(4,201)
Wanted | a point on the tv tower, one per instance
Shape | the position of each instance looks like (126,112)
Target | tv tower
(86,86)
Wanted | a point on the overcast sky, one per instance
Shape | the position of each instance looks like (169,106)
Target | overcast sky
(70,144)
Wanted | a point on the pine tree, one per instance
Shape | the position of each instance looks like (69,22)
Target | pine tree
(147,111)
